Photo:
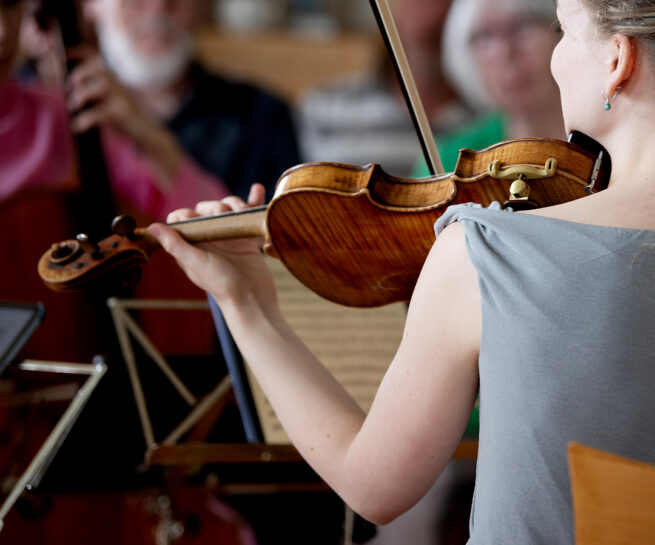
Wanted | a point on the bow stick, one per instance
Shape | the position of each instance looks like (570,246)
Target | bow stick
(396,52)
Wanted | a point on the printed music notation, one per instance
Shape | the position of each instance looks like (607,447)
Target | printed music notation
(356,345)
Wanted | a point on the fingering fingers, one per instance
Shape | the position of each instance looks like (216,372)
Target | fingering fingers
(234,202)
(174,244)
(257,195)
(212,208)
(180,215)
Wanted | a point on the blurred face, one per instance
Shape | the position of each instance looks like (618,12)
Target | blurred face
(576,66)
(512,50)
(11,16)
(154,26)
(148,42)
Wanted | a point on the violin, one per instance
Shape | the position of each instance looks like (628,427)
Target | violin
(356,235)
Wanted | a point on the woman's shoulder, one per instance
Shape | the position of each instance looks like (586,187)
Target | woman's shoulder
(472,212)
(537,241)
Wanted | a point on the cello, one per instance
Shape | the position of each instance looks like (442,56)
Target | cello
(58,207)
(356,235)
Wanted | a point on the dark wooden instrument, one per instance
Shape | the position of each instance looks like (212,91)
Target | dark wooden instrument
(354,235)
(79,203)
(94,184)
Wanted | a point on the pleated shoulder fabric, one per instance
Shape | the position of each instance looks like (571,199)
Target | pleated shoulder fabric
(567,354)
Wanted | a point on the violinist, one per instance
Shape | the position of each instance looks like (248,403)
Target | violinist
(547,314)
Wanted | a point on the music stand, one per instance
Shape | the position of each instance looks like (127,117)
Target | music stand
(31,477)
(17,323)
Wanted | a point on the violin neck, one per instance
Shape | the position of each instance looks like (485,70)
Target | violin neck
(249,223)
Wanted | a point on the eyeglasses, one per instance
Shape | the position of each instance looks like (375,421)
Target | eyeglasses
(518,31)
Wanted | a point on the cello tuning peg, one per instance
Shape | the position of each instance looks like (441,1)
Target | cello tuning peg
(123,226)
(87,244)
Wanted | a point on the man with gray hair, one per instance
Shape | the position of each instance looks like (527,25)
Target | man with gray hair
(146,87)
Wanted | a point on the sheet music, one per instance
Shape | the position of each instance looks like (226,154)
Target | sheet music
(356,345)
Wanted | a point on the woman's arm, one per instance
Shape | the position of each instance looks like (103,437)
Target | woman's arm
(381,464)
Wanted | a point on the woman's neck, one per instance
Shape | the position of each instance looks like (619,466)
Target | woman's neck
(633,160)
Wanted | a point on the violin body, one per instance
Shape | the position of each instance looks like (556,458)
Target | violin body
(355,235)
(359,237)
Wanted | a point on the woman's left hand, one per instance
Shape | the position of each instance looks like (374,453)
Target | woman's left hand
(233,271)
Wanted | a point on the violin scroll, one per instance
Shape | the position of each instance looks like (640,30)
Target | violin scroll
(73,264)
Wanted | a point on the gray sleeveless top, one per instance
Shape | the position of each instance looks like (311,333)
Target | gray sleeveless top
(567,354)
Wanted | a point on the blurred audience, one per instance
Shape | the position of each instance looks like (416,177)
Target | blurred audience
(172,133)
(363,118)
(506,73)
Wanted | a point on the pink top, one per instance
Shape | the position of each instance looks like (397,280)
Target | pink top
(134,181)
(35,149)
(36,152)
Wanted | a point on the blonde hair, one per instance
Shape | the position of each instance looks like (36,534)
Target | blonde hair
(634,18)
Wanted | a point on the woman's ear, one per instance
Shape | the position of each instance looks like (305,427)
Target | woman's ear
(623,53)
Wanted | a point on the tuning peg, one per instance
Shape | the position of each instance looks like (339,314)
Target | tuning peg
(87,244)
(64,252)
(123,226)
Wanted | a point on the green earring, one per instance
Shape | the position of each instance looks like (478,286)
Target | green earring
(607,105)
